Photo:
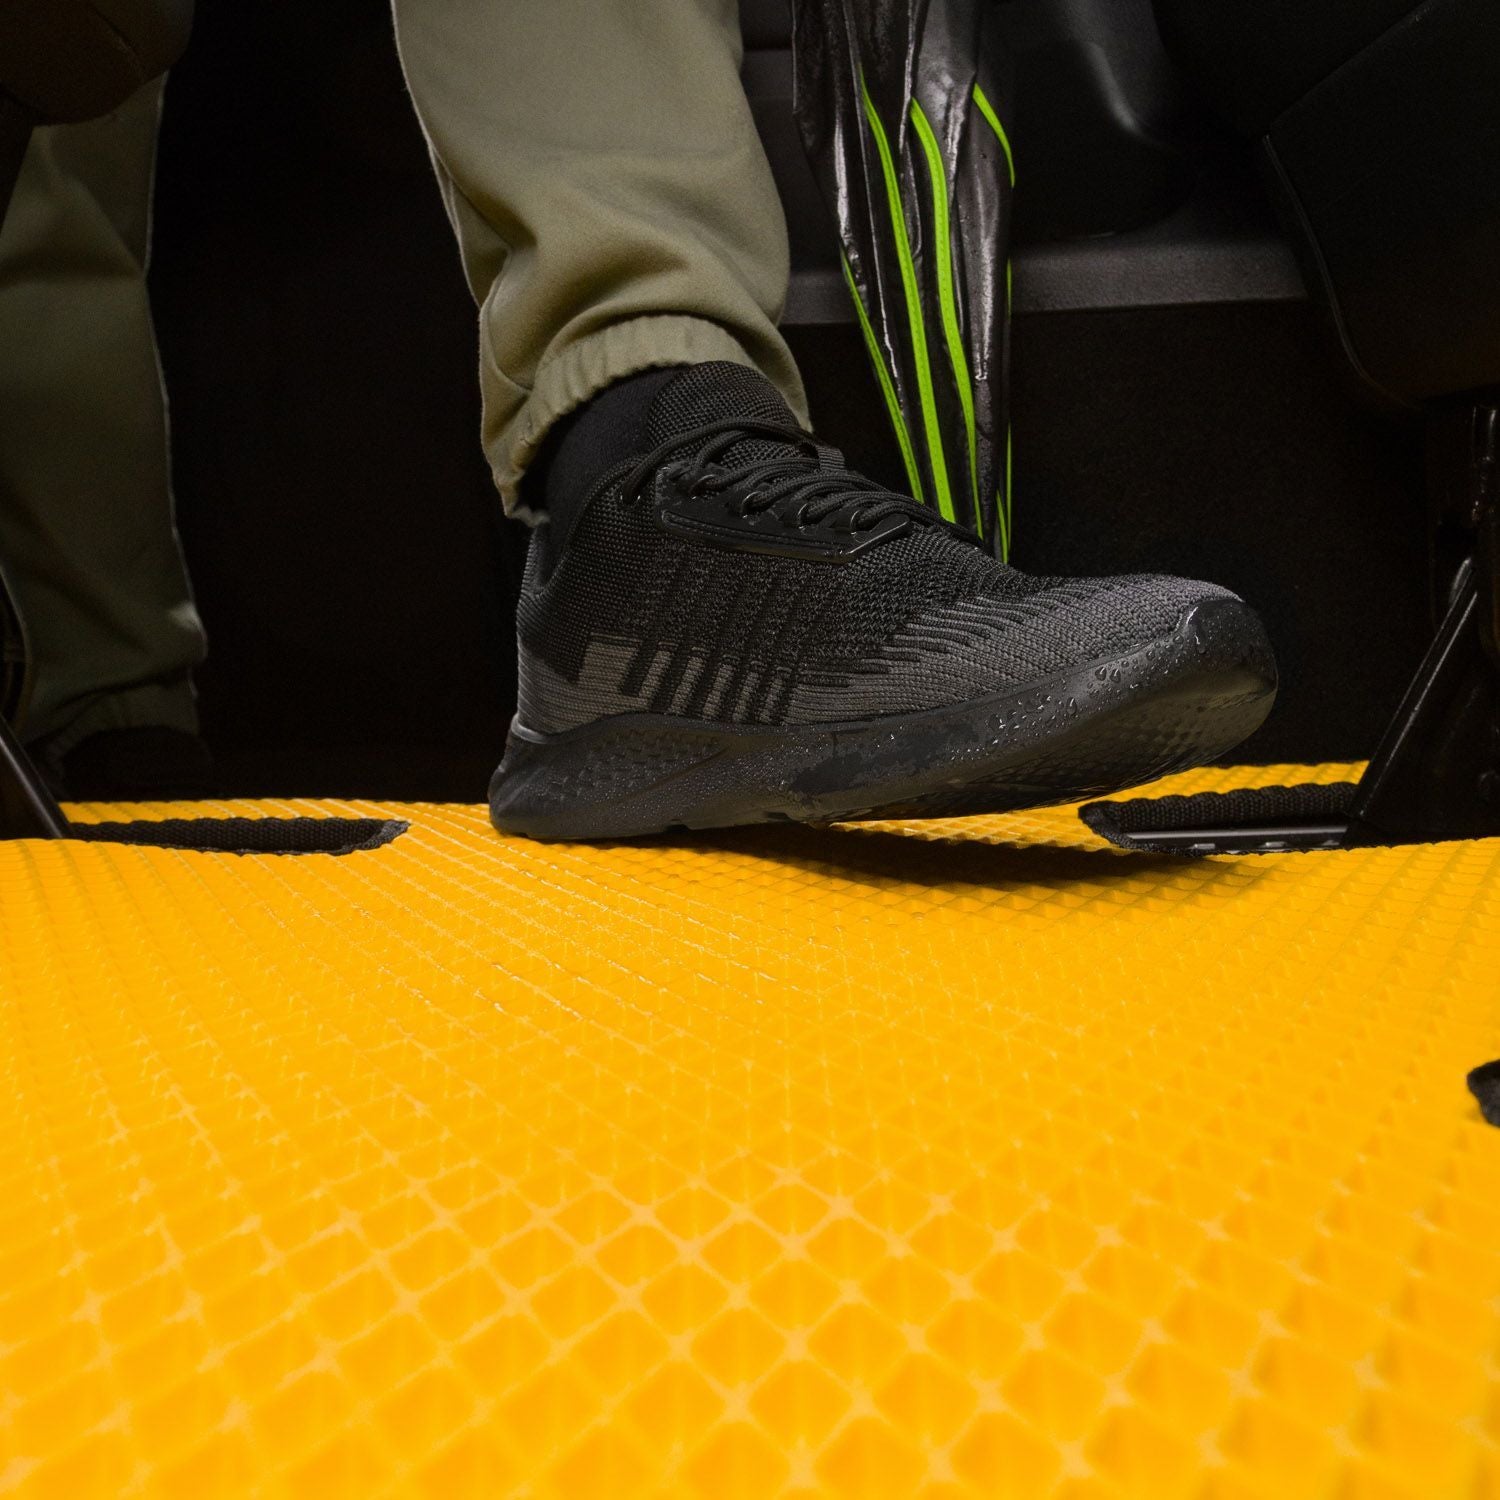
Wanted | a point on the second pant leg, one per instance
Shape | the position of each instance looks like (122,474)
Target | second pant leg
(613,204)
(87,537)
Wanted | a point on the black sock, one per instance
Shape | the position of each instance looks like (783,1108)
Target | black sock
(607,429)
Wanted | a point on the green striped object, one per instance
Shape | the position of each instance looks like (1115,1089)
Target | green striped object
(931,425)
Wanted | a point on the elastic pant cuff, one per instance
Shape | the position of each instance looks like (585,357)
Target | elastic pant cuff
(584,368)
(167,705)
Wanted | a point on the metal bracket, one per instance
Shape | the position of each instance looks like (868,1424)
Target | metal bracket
(1436,773)
(28,809)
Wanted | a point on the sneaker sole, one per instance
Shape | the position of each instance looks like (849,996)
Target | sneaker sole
(1177,701)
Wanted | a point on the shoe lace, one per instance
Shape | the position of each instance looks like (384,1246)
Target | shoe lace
(808,485)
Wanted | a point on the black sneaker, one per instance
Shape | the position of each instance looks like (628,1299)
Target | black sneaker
(734,628)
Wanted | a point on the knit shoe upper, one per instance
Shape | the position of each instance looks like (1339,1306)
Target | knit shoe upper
(746,576)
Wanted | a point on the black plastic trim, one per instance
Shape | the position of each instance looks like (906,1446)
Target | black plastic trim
(1215,249)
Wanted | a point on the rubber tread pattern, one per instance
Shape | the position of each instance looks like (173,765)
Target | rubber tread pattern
(907,1159)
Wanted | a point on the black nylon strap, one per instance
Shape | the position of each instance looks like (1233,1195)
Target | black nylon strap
(248,835)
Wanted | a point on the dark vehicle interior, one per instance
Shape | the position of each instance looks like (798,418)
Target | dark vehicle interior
(1181,402)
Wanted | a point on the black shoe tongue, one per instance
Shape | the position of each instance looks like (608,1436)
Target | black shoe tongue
(702,394)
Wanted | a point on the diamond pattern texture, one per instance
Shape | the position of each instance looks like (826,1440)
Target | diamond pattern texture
(909,1159)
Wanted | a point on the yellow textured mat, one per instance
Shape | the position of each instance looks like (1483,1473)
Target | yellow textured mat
(939,1159)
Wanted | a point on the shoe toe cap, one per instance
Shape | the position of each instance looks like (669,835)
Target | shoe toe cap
(994,643)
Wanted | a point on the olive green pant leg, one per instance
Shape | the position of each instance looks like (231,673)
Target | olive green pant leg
(87,537)
(612,201)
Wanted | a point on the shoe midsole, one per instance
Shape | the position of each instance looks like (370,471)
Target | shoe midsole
(1207,679)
